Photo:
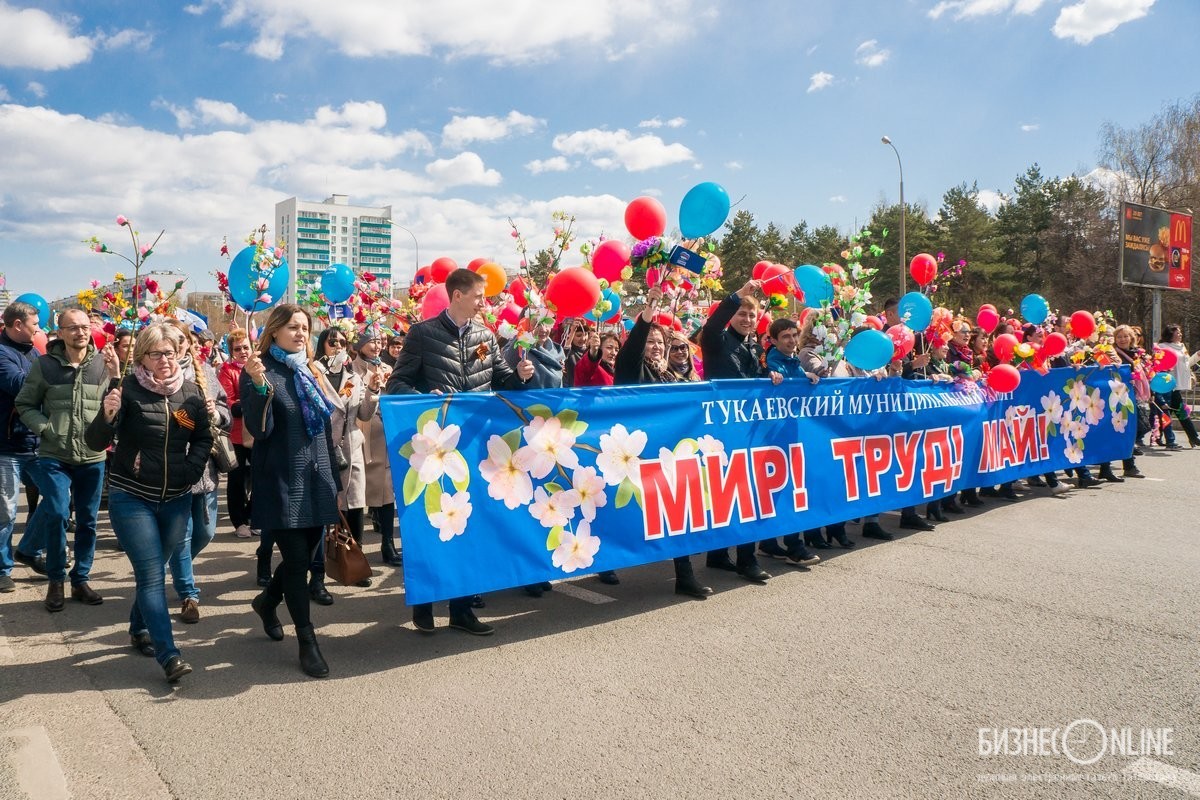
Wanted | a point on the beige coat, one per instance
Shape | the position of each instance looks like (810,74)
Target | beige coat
(354,402)
(379,491)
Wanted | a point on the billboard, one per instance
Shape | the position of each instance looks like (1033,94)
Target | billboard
(1156,247)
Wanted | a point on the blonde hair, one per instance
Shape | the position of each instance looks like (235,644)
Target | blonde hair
(235,336)
(156,334)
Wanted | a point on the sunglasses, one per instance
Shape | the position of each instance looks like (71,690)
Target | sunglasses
(679,348)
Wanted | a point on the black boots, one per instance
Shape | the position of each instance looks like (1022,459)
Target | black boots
(1107,474)
(837,533)
(910,520)
(873,530)
(310,655)
(685,580)
(389,553)
(317,591)
(265,607)
(264,567)
(933,511)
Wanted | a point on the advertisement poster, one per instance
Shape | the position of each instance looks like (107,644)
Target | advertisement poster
(1156,247)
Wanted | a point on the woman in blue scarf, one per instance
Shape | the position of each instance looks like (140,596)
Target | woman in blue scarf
(295,483)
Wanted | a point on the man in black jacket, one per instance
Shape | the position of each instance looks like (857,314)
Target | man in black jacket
(452,353)
(729,349)
(18,444)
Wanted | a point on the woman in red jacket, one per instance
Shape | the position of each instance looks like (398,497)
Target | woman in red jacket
(237,486)
(596,366)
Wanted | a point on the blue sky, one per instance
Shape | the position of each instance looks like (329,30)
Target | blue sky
(199,118)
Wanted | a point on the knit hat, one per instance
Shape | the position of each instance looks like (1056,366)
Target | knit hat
(371,334)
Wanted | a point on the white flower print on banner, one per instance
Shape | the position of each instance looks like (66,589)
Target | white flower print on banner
(1079,395)
(434,454)
(548,443)
(589,488)
(1094,410)
(451,521)
(620,453)
(1053,407)
(1118,394)
(711,446)
(553,510)
(506,481)
(576,550)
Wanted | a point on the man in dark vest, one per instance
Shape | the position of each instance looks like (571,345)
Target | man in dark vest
(18,444)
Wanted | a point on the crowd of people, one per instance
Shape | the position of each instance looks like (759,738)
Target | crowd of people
(150,424)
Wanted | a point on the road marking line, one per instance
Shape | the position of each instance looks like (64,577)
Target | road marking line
(1156,480)
(586,595)
(5,651)
(36,764)
(1172,777)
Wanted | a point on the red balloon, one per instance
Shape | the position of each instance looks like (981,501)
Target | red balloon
(775,279)
(1165,359)
(759,269)
(510,313)
(1083,324)
(1004,345)
(440,269)
(39,342)
(434,302)
(573,292)
(764,324)
(476,263)
(988,305)
(874,322)
(645,217)
(902,338)
(1003,378)
(518,289)
(923,268)
(1054,345)
(423,275)
(987,318)
(99,339)
(610,258)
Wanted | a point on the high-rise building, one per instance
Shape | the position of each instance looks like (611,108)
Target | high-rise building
(333,232)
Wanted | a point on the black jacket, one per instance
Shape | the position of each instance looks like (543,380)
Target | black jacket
(163,443)
(294,481)
(16,359)
(631,366)
(726,353)
(437,356)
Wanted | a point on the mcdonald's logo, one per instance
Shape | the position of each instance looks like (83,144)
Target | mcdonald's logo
(1181,228)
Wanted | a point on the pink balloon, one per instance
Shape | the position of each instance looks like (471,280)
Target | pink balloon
(610,258)
(1165,359)
(987,318)
(903,339)
(434,302)
(511,313)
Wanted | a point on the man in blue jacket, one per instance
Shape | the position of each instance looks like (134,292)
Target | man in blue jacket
(18,444)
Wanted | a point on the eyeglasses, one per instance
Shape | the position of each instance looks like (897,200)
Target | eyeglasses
(159,355)
(75,328)
(336,342)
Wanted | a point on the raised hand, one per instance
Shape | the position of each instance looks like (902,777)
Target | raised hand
(111,405)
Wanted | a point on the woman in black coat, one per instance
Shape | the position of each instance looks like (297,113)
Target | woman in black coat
(285,409)
(643,359)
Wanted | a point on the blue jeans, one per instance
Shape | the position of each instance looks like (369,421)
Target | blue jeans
(58,482)
(12,467)
(202,527)
(150,531)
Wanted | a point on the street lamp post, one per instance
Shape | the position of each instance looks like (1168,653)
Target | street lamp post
(903,214)
(416,255)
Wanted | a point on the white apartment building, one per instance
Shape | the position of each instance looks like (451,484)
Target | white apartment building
(333,232)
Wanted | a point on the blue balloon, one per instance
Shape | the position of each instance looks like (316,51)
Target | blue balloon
(704,209)
(611,297)
(1035,309)
(917,308)
(815,284)
(870,349)
(1162,383)
(243,275)
(337,283)
(43,308)
(628,324)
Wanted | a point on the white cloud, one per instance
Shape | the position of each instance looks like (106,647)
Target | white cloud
(870,54)
(368,115)
(838,198)
(618,149)
(812,49)
(206,112)
(465,169)
(991,200)
(461,131)
(515,31)
(555,164)
(1029,127)
(966,9)
(36,89)
(32,39)
(1109,181)
(655,122)
(128,38)
(1087,19)
(819,81)
(735,165)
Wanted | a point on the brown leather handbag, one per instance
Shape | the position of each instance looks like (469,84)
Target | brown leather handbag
(344,559)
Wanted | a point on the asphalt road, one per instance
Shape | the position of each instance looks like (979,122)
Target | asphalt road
(869,676)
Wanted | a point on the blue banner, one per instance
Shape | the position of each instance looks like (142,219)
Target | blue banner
(506,489)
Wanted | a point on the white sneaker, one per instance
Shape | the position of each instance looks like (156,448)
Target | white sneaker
(243,531)
(1061,488)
